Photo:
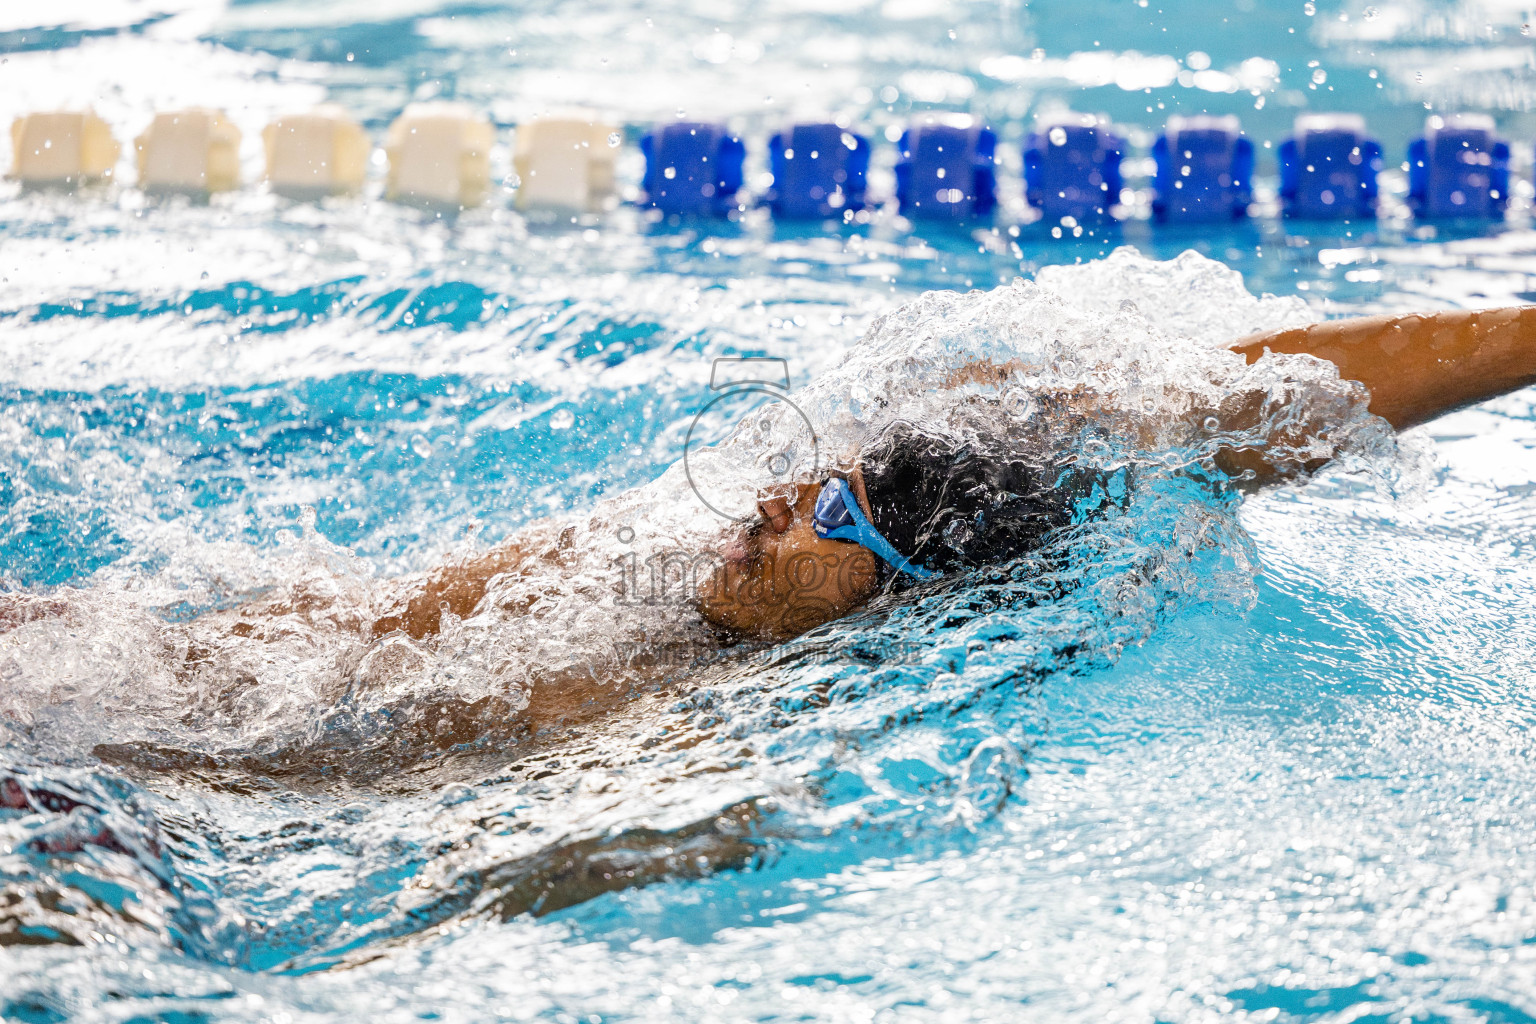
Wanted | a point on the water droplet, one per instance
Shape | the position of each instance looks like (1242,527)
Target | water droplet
(1058,136)
(1371,14)
(1319,76)
(563,419)
(1212,423)
(1019,404)
(614,139)
(669,173)
(204,276)
(350,58)
(958,534)
(421,446)
(1309,8)
(454,793)
(353,813)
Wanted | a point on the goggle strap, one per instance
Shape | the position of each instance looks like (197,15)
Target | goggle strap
(863,532)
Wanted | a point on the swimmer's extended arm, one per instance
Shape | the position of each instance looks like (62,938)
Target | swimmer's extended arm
(1416,367)
(459,587)
(414,605)
(1422,365)
(456,588)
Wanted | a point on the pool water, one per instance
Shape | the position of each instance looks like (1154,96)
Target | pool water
(1251,758)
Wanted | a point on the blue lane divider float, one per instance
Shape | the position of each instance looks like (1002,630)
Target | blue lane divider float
(819,171)
(1459,168)
(1328,168)
(946,170)
(1072,168)
(692,167)
(1204,170)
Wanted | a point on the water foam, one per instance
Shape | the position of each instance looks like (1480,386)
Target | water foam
(668,739)
(1117,363)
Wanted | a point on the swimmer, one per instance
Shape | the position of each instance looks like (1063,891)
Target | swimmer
(822,550)
(902,512)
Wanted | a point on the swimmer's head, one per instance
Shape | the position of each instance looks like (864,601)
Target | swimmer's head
(942,504)
(778,579)
(952,504)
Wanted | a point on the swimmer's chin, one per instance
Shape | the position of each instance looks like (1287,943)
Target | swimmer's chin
(730,619)
(737,621)
(731,632)
(771,622)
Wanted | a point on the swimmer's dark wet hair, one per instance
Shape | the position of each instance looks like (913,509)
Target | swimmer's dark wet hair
(950,504)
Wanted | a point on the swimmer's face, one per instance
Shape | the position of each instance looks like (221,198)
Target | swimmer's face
(778,579)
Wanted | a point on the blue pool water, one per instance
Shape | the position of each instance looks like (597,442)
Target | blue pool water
(1253,759)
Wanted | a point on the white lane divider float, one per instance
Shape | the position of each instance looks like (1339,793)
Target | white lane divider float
(320,153)
(62,148)
(195,151)
(439,156)
(565,163)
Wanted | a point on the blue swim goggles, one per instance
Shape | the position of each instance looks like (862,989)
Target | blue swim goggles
(838,517)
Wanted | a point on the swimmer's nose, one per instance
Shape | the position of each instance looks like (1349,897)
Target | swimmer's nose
(775,511)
